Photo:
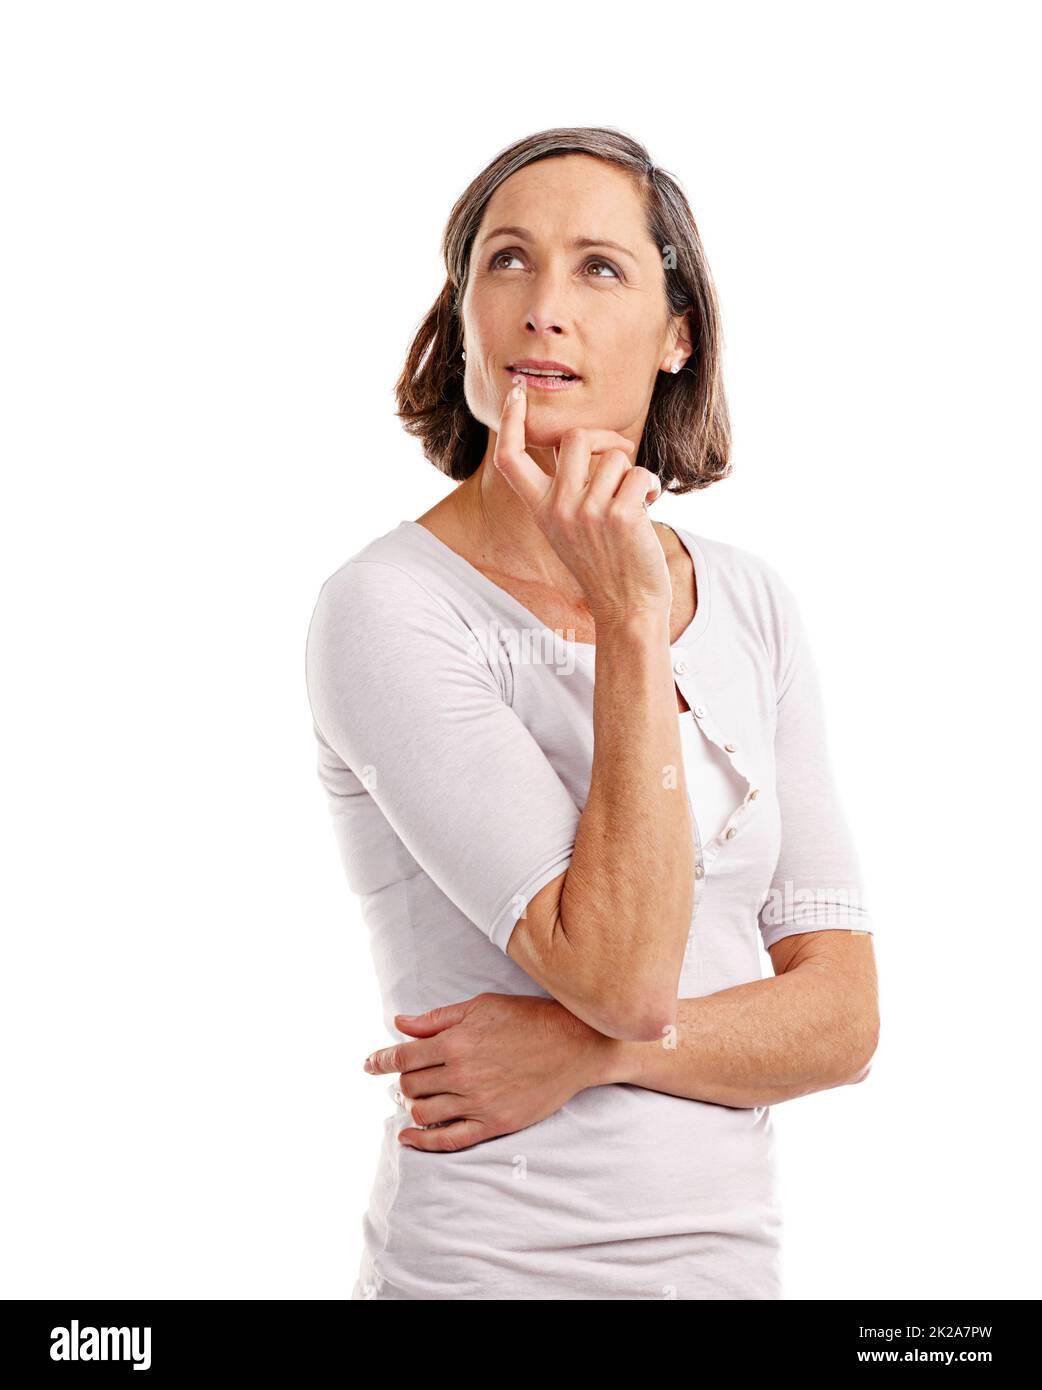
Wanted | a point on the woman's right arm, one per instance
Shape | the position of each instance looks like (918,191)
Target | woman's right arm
(404,698)
(607,937)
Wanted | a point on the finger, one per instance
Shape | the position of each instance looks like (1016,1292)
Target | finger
(427,1081)
(574,453)
(403,1057)
(520,470)
(434,1110)
(443,1138)
(433,1021)
(639,488)
(605,478)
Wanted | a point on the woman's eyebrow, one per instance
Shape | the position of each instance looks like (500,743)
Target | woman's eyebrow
(578,243)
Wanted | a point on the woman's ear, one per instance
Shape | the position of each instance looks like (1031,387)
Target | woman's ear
(681,347)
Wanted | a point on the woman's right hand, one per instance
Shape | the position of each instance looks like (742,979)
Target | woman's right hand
(592,512)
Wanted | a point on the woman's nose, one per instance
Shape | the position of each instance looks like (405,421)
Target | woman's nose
(539,325)
(547,305)
(543,319)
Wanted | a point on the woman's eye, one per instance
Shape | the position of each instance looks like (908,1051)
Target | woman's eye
(594,260)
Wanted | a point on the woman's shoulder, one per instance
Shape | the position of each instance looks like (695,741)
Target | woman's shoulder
(751,600)
(735,571)
(397,567)
(392,602)
(383,624)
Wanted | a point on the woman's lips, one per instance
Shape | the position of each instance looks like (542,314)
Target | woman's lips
(544,383)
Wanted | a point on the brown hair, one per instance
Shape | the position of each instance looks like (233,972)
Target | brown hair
(686,438)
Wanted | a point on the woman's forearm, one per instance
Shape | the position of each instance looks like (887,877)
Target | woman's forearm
(627,900)
(755,1044)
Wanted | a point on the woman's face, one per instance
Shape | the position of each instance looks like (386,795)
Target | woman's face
(598,309)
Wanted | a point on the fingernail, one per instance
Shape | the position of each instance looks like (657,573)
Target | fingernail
(366,1066)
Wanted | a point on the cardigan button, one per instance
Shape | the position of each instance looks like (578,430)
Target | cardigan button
(754,793)
(680,667)
(731,833)
(699,711)
(729,747)
(699,871)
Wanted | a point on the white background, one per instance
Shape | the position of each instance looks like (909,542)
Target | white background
(220,231)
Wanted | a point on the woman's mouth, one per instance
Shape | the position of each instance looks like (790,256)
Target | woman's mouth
(543,380)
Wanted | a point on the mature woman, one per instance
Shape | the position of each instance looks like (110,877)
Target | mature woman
(577,766)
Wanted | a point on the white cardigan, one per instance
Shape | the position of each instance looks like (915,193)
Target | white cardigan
(455,742)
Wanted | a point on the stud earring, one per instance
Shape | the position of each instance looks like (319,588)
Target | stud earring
(463,354)
(675,367)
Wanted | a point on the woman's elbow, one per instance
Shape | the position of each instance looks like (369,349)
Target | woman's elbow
(641,1016)
(865,1054)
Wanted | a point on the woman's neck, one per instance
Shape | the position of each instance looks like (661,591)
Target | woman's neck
(497,527)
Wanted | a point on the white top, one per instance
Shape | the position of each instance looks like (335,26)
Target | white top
(455,742)
(715,787)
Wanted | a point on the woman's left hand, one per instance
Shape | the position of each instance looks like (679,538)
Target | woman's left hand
(489,1065)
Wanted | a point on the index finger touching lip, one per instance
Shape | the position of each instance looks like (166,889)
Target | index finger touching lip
(510,428)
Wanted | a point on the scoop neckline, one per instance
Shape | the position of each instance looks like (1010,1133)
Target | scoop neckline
(694,630)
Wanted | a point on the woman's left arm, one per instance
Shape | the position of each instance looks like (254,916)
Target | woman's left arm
(813,1026)
(507,1061)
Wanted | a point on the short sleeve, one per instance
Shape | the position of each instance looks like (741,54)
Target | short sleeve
(817,883)
(403,693)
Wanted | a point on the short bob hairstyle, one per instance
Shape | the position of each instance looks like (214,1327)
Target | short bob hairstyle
(686,438)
